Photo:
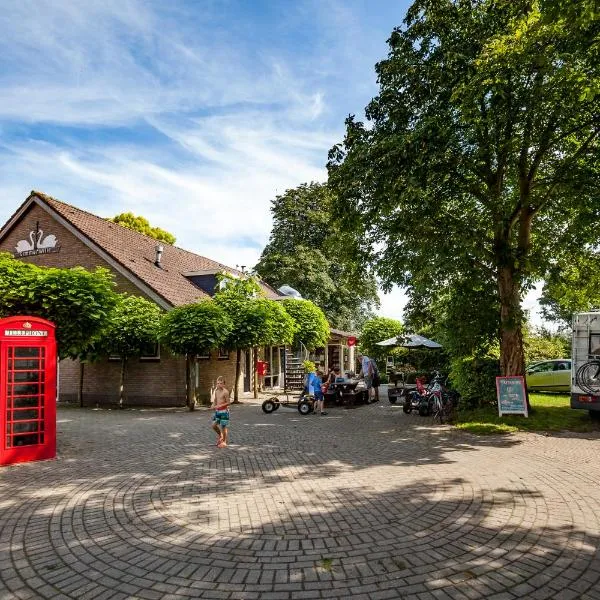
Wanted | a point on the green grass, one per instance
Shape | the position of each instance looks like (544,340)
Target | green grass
(550,412)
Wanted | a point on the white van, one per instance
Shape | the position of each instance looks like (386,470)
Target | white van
(585,388)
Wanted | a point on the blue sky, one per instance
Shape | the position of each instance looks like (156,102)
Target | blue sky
(194,114)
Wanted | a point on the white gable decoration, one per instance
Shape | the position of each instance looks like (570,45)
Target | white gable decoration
(37,243)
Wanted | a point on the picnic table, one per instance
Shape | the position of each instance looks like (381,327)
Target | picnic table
(346,391)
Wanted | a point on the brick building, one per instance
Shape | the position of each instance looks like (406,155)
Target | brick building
(50,233)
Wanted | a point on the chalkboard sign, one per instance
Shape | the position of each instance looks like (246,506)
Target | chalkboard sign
(512,399)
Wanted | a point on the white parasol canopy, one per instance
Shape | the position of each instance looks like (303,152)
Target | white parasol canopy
(410,340)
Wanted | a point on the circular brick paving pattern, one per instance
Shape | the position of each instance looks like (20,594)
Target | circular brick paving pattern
(368,503)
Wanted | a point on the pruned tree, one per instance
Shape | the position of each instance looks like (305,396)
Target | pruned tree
(77,301)
(311,327)
(191,330)
(376,330)
(256,321)
(132,330)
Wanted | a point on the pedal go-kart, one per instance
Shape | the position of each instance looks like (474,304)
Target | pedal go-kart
(304,403)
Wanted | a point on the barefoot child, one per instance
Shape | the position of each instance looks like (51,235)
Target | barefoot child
(221,417)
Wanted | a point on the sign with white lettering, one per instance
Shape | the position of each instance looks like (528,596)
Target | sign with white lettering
(25,333)
(512,397)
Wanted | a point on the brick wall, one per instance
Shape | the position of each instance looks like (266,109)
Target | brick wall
(158,383)
(210,369)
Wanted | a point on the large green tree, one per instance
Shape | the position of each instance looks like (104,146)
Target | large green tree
(481,156)
(142,225)
(309,251)
(571,286)
(376,330)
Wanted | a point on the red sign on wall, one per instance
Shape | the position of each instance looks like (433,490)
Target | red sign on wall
(351,341)
(27,390)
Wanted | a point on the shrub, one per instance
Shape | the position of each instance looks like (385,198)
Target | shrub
(309,366)
(475,379)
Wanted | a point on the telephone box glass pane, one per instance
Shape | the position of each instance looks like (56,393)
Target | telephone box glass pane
(26,427)
(24,415)
(19,376)
(25,401)
(25,396)
(24,389)
(25,440)
(23,364)
(26,352)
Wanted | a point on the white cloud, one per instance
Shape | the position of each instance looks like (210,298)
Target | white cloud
(217,207)
(174,112)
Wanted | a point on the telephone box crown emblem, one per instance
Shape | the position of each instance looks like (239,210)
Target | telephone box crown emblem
(27,325)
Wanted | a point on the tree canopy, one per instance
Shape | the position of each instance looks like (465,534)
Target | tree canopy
(309,251)
(133,327)
(141,225)
(192,330)
(376,330)
(311,327)
(132,331)
(571,286)
(195,328)
(256,320)
(78,302)
(480,162)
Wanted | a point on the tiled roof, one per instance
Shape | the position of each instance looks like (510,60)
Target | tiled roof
(136,253)
(345,334)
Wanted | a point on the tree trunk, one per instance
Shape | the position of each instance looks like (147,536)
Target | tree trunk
(190,388)
(254,371)
(512,357)
(238,374)
(512,354)
(80,388)
(122,382)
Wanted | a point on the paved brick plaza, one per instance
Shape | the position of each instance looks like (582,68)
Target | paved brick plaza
(368,503)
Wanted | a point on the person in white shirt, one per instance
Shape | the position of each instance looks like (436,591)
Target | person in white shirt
(367,372)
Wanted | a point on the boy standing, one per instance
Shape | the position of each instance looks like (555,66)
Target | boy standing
(221,417)
(315,381)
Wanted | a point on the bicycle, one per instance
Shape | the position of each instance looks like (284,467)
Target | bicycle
(441,402)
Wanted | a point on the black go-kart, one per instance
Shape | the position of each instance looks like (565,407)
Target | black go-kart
(304,403)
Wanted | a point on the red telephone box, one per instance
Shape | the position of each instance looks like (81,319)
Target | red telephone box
(27,390)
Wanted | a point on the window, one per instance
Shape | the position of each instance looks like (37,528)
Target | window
(541,367)
(595,344)
(205,355)
(149,353)
(563,366)
(223,354)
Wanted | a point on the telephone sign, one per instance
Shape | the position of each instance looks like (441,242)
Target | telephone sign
(27,390)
